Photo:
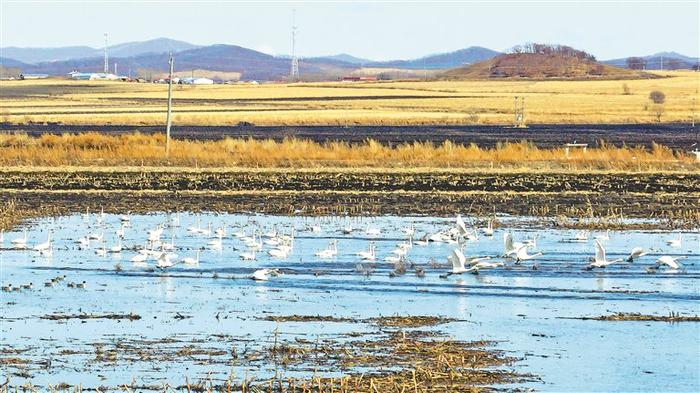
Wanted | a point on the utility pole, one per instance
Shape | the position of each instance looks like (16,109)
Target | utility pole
(694,109)
(171,61)
(519,112)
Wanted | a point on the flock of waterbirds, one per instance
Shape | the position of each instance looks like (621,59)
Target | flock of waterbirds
(251,239)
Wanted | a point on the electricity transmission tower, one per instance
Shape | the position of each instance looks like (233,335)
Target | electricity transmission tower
(106,68)
(294,73)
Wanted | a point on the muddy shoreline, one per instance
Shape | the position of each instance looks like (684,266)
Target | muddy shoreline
(671,200)
(555,210)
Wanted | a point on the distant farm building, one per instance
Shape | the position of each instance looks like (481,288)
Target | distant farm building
(33,76)
(91,76)
(359,79)
(196,81)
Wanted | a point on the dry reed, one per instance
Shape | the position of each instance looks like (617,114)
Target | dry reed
(135,149)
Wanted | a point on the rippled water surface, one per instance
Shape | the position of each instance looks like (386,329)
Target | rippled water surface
(526,310)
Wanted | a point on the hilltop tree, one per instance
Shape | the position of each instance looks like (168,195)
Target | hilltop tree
(553,50)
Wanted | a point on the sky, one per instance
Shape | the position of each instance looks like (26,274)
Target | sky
(374,30)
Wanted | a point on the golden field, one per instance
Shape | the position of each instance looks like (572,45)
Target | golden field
(135,149)
(338,103)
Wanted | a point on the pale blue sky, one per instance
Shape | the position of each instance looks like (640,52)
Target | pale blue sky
(375,30)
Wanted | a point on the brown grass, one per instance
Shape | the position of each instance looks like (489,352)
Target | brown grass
(99,150)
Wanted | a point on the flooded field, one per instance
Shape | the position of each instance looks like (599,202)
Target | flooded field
(145,300)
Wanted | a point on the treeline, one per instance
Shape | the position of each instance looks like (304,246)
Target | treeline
(553,50)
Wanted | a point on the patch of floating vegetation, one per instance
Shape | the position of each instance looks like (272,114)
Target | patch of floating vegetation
(409,321)
(623,316)
(385,361)
(307,318)
(57,317)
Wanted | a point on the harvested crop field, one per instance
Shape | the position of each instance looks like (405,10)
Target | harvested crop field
(673,135)
(397,103)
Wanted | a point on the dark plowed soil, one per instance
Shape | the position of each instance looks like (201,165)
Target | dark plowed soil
(678,136)
(608,183)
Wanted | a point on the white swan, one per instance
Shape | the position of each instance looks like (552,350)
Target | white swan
(282,251)
(45,245)
(600,260)
(368,255)
(675,242)
(168,246)
(165,260)
(116,248)
(101,251)
(263,274)
(488,231)
(216,243)
(139,259)
(636,253)
(579,237)
(532,243)
(372,231)
(604,236)
(510,248)
(330,252)
(220,231)
(459,261)
(247,256)
(191,261)
(423,241)
(20,242)
(522,255)
(670,262)
(195,229)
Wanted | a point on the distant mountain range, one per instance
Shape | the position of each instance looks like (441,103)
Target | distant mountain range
(128,49)
(657,61)
(473,54)
(150,57)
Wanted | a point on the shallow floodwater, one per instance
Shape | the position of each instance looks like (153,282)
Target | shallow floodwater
(525,310)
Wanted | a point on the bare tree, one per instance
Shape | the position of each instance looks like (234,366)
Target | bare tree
(636,63)
(657,97)
(625,89)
